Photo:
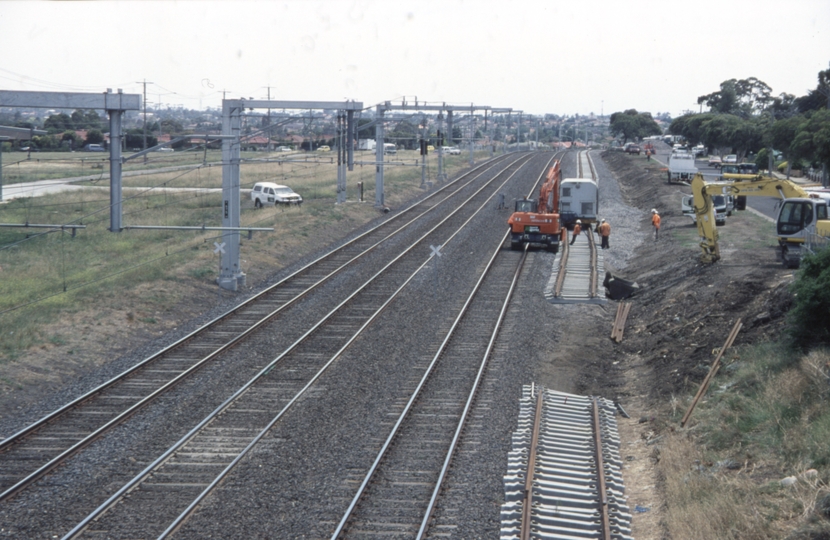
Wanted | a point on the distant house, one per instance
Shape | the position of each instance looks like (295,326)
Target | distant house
(255,143)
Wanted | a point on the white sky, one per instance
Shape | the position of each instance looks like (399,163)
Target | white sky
(563,57)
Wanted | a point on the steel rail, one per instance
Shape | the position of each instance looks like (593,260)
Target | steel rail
(591,166)
(592,292)
(422,383)
(127,413)
(79,528)
(462,422)
(563,266)
(603,493)
(409,405)
(527,502)
(173,527)
(594,277)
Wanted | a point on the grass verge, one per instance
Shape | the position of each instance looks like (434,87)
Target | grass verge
(755,461)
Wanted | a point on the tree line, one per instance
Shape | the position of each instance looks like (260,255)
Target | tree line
(745,118)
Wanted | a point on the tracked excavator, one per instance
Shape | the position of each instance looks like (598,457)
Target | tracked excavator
(537,221)
(802,217)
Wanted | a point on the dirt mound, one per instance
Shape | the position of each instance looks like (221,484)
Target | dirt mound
(685,309)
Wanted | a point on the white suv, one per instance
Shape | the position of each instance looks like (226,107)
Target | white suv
(273,194)
(452,150)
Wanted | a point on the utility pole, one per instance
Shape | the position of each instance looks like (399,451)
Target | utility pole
(519,133)
(145,83)
(269,119)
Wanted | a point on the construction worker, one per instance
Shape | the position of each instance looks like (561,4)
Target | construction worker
(655,220)
(577,230)
(604,230)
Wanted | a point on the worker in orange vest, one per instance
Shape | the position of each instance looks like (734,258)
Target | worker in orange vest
(604,231)
(655,220)
(577,230)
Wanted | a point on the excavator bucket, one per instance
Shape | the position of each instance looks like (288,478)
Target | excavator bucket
(619,288)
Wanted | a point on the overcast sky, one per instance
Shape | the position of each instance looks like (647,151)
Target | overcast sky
(562,57)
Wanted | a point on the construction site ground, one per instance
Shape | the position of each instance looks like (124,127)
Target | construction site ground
(681,315)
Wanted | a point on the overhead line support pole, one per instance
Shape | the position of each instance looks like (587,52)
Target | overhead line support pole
(2,140)
(115,170)
(230,274)
(379,157)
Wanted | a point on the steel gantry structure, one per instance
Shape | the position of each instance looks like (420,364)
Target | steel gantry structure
(382,108)
(115,103)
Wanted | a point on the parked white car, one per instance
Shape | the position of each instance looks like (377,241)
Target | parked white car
(452,150)
(267,193)
(731,158)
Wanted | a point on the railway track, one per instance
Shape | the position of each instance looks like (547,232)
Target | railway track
(34,451)
(398,494)
(575,276)
(170,488)
(564,478)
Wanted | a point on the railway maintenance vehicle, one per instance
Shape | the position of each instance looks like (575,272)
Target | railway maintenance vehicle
(537,221)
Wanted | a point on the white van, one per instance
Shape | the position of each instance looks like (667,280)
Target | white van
(390,148)
(273,194)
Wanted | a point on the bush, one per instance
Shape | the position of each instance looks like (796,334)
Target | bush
(810,315)
(762,159)
(797,166)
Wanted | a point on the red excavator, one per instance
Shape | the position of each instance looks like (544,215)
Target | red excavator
(537,221)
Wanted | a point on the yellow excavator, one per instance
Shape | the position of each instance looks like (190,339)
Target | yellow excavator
(802,217)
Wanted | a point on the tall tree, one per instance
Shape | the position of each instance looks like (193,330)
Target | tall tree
(783,106)
(812,140)
(782,134)
(631,124)
(741,97)
(819,98)
(94,136)
(690,126)
(719,129)
(58,123)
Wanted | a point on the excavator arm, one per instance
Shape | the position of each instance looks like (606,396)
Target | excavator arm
(742,185)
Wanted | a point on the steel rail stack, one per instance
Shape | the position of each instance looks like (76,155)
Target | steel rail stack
(39,448)
(564,477)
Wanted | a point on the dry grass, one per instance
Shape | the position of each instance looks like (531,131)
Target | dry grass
(715,482)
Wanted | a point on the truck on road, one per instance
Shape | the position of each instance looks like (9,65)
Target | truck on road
(681,167)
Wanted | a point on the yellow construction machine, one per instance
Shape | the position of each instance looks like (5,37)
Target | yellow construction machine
(802,216)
